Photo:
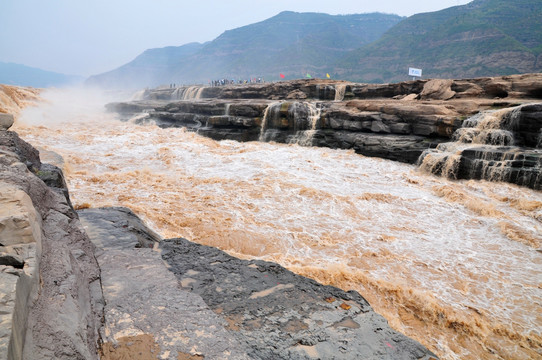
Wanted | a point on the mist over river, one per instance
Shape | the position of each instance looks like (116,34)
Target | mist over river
(455,265)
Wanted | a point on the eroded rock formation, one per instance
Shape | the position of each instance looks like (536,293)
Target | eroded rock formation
(394,121)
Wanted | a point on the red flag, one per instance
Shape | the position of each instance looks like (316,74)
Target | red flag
(282,76)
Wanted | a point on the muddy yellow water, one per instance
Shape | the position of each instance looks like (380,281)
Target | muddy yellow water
(453,265)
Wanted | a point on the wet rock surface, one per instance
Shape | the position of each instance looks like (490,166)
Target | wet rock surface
(276,314)
(147,314)
(6,121)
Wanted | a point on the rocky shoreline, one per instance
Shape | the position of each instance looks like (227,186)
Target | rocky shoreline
(399,121)
(100,284)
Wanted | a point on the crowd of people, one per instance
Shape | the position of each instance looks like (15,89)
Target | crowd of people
(222,82)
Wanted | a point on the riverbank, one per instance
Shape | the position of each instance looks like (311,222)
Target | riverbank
(74,289)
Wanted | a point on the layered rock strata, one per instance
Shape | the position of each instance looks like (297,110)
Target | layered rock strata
(527,86)
(393,121)
(504,145)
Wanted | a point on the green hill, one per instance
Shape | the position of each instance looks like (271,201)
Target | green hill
(482,38)
(289,43)
(21,75)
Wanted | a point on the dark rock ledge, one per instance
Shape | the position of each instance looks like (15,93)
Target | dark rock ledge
(199,302)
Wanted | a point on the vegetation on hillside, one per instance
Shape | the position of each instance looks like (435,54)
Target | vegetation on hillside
(482,38)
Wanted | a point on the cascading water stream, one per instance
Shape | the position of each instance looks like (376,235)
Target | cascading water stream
(139,95)
(270,112)
(340,89)
(305,137)
(187,93)
(489,137)
(298,119)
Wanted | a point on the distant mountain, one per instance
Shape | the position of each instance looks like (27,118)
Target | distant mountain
(21,75)
(289,43)
(153,67)
(482,38)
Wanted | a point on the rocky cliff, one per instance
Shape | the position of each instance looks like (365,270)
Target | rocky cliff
(100,284)
(394,121)
(52,301)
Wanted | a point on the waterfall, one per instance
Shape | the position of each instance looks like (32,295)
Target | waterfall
(187,93)
(293,122)
(270,112)
(177,94)
(305,137)
(487,128)
(139,95)
(198,93)
(192,93)
(484,148)
(340,89)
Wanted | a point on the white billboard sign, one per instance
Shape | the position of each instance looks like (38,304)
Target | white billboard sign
(415,72)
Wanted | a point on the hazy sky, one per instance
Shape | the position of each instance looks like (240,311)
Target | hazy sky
(85,37)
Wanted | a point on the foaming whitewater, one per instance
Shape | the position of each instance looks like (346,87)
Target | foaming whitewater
(490,135)
(453,264)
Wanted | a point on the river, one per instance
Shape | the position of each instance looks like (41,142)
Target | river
(455,265)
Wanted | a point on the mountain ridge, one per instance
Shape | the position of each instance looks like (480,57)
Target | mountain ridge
(290,43)
(481,38)
(22,75)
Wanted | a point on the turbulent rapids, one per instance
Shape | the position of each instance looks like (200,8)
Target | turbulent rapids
(454,264)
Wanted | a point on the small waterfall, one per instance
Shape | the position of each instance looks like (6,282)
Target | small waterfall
(487,128)
(198,93)
(340,89)
(227,109)
(291,122)
(177,94)
(192,93)
(271,112)
(484,148)
(139,95)
(305,137)
(187,93)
